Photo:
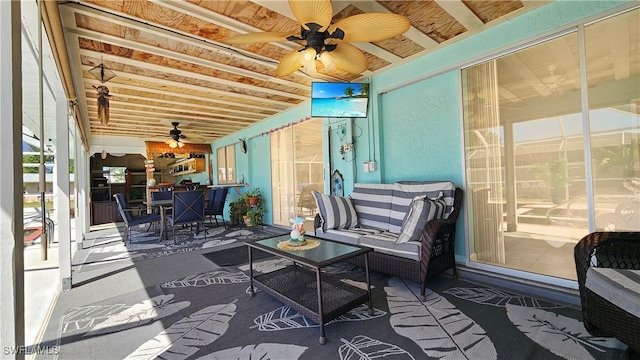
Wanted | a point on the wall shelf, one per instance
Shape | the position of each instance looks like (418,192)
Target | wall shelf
(188,166)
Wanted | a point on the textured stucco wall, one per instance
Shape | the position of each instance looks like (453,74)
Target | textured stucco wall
(414,131)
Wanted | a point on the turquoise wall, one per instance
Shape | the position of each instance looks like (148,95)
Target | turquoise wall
(414,131)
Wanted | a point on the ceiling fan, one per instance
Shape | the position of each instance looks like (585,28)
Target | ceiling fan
(178,139)
(326,42)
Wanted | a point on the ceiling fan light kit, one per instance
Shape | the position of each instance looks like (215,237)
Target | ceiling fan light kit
(329,43)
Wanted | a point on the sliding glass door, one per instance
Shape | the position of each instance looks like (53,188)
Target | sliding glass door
(532,149)
(297,169)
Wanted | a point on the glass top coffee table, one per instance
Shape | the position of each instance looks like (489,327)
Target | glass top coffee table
(319,296)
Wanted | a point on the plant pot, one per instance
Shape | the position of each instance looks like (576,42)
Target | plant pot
(253,201)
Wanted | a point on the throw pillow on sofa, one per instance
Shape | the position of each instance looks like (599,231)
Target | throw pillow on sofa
(422,210)
(336,212)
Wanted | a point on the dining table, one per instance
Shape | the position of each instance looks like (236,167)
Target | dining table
(163,206)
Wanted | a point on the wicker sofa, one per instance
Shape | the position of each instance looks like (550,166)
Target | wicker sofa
(608,269)
(381,211)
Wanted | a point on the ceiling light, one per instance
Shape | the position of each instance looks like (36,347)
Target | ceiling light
(173,144)
(328,60)
(180,144)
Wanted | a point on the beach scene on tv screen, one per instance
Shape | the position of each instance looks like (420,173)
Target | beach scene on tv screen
(339,100)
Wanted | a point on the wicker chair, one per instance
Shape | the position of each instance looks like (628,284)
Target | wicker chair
(617,250)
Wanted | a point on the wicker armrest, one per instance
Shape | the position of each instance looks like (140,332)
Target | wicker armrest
(620,250)
(433,227)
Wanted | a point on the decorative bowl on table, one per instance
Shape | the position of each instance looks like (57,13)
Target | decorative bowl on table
(297,242)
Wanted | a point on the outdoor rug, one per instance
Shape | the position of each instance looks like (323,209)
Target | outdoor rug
(110,248)
(235,256)
(211,316)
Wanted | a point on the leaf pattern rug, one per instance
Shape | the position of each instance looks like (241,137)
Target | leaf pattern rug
(211,316)
(109,248)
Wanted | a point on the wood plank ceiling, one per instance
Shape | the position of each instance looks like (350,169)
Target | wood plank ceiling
(171,63)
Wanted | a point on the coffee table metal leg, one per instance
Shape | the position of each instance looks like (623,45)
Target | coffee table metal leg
(322,340)
(251,294)
(366,269)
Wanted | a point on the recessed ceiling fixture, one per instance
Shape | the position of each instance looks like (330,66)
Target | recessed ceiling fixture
(329,43)
(104,74)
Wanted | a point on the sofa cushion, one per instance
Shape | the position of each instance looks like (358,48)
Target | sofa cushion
(373,204)
(349,236)
(620,287)
(336,212)
(405,191)
(421,211)
(385,242)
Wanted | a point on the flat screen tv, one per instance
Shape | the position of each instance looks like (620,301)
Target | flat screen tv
(342,100)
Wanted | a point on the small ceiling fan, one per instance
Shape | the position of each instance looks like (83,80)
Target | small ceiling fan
(326,42)
(178,139)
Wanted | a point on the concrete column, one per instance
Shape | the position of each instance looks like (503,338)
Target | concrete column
(82,217)
(61,192)
(77,189)
(510,178)
(11,209)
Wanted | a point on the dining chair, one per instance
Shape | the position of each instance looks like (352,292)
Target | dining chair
(188,208)
(162,187)
(192,186)
(215,205)
(130,219)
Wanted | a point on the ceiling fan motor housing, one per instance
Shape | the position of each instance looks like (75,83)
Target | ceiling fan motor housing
(315,39)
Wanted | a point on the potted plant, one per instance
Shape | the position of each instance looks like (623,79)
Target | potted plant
(254,217)
(253,197)
(237,210)
(555,174)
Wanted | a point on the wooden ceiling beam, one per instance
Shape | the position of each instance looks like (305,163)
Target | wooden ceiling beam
(213,17)
(177,84)
(178,96)
(169,103)
(412,34)
(122,42)
(116,102)
(172,34)
(176,115)
(196,76)
(459,11)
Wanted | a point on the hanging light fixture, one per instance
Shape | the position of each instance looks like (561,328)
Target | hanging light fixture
(104,74)
(104,153)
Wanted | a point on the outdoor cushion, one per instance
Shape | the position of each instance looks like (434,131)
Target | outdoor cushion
(336,212)
(620,287)
(405,191)
(385,242)
(373,204)
(349,236)
(422,210)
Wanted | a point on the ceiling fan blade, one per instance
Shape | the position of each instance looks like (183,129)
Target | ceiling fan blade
(289,64)
(194,138)
(312,11)
(259,37)
(350,58)
(371,27)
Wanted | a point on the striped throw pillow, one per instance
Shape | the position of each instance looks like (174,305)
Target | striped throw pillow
(336,212)
(422,210)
